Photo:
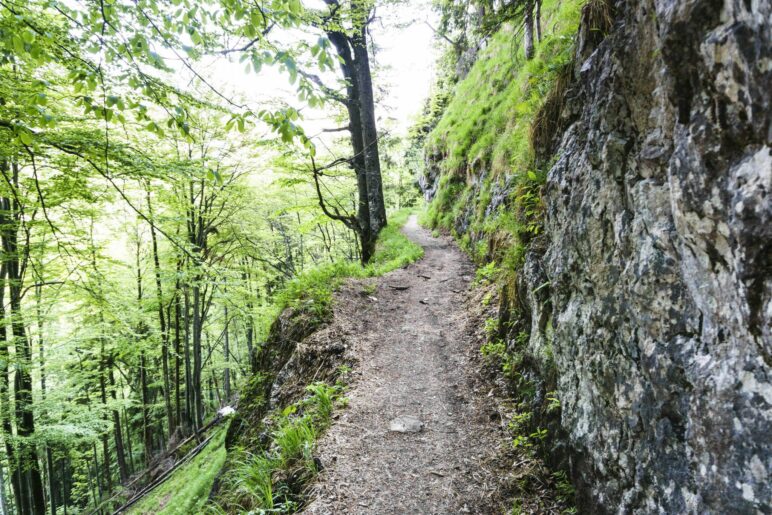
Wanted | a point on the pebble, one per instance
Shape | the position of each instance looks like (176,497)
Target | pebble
(406,424)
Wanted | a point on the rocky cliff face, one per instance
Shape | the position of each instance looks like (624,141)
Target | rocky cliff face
(658,260)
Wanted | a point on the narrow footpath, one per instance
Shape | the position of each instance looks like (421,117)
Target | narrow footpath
(418,435)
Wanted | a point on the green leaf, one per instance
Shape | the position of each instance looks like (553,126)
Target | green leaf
(18,44)
(25,137)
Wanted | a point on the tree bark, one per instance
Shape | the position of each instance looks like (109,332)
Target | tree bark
(31,481)
(161,320)
(528,30)
(197,330)
(105,437)
(226,379)
(369,129)
(120,453)
(147,433)
(537,15)
(177,359)
(188,377)
(353,106)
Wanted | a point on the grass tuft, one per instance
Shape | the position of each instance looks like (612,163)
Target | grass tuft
(274,478)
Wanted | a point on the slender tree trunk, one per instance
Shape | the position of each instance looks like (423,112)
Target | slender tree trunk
(177,360)
(14,467)
(367,113)
(528,30)
(162,321)
(96,473)
(147,432)
(32,484)
(188,378)
(197,330)
(250,322)
(105,436)
(129,448)
(62,473)
(120,453)
(537,14)
(226,380)
(3,504)
(42,361)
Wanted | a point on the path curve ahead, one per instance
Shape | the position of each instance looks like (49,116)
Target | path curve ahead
(414,360)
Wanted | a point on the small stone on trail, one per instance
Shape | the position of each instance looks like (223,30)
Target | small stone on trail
(406,424)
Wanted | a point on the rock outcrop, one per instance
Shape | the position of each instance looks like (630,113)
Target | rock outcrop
(653,289)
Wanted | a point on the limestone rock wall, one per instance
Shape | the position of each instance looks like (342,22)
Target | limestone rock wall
(660,223)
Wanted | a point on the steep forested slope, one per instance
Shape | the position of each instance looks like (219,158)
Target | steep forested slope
(630,238)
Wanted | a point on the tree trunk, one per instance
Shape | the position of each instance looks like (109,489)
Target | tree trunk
(5,401)
(528,30)
(369,130)
(105,436)
(197,330)
(537,14)
(147,432)
(188,378)
(31,483)
(161,320)
(226,379)
(129,449)
(120,453)
(364,219)
(42,360)
(3,505)
(177,360)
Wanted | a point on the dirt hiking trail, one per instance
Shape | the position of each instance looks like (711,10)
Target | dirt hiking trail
(414,355)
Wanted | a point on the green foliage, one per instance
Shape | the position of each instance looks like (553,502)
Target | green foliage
(188,488)
(553,402)
(564,486)
(274,478)
(312,291)
(485,131)
(487,274)
(394,249)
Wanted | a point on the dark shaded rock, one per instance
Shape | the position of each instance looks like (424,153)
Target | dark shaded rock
(660,225)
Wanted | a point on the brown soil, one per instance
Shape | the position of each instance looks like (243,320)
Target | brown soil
(416,357)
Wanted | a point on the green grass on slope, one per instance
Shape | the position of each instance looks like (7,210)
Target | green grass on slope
(187,490)
(485,134)
(314,288)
